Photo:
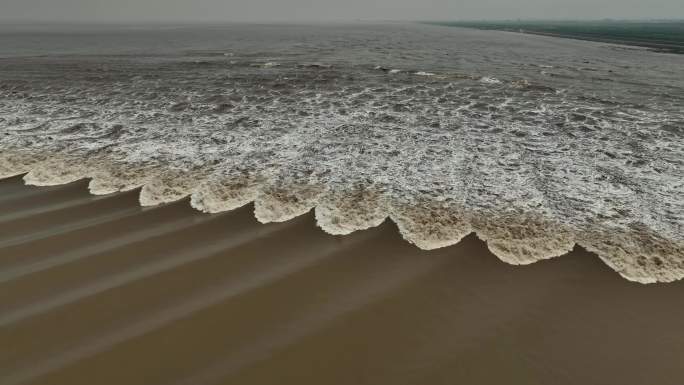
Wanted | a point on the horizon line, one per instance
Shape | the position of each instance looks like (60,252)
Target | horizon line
(16,21)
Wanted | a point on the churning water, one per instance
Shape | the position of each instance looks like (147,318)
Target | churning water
(534,143)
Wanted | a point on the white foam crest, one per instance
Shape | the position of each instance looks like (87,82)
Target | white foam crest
(490,80)
(637,255)
(10,166)
(109,181)
(280,204)
(431,226)
(166,188)
(218,196)
(524,239)
(55,171)
(341,213)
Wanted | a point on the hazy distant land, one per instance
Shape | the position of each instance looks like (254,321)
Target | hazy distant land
(663,36)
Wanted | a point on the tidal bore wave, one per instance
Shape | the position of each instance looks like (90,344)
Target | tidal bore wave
(533,164)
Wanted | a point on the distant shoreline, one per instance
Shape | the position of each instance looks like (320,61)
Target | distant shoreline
(666,37)
(650,46)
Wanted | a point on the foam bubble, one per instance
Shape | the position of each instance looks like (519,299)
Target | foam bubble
(490,80)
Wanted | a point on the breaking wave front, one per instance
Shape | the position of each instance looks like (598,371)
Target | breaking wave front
(532,169)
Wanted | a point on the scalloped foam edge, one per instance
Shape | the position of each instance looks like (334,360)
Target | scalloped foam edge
(642,258)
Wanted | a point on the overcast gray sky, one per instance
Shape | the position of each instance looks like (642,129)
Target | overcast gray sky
(307,10)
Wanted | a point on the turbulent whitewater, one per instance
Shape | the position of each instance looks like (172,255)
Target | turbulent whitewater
(536,144)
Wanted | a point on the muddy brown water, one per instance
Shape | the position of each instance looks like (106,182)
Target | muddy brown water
(96,290)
